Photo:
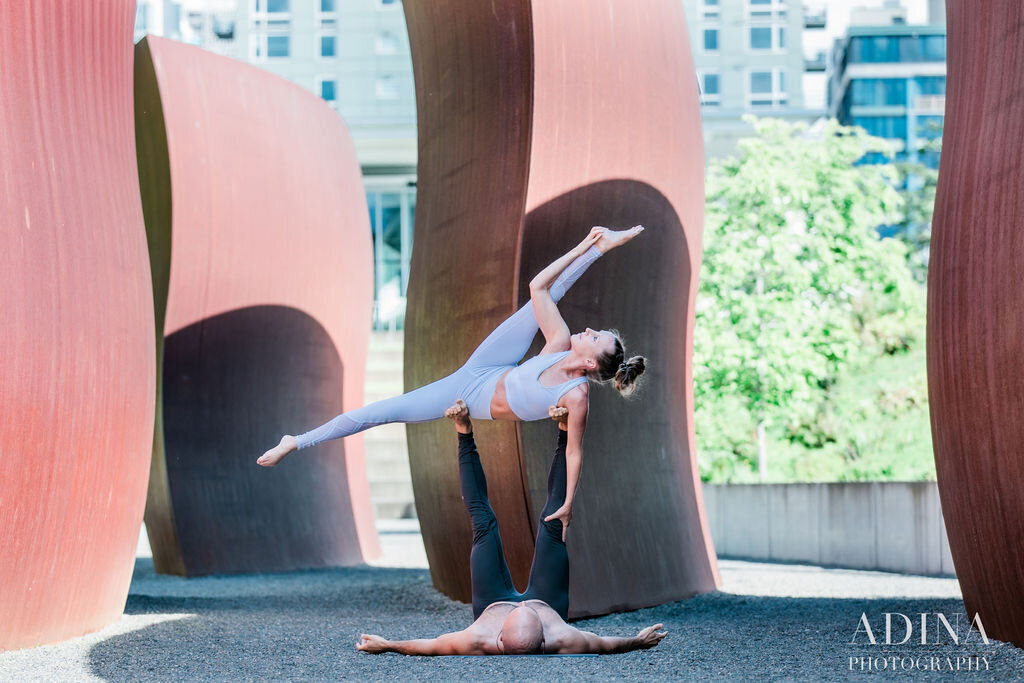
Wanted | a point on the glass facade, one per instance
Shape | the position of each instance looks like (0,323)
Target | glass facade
(874,49)
(904,103)
(891,127)
(869,92)
(392,212)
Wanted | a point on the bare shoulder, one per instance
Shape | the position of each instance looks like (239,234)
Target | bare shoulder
(566,640)
(556,344)
(576,398)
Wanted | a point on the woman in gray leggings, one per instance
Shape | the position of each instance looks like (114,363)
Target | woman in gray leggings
(495,388)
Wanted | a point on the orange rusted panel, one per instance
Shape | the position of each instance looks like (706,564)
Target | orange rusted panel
(976,312)
(537,121)
(77,362)
(260,239)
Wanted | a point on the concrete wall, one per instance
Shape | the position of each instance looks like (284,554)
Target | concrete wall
(886,526)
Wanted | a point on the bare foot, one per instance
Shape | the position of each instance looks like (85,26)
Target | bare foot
(616,238)
(459,414)
(559,414)
(277,453)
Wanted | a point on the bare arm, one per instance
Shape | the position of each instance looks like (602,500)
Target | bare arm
(585,642)
(458,643)
(577,403)
(553,327)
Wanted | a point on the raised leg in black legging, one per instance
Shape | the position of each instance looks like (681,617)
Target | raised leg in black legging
(488,570)
(549,575)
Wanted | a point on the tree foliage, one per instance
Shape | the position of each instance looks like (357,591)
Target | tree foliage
(796,284)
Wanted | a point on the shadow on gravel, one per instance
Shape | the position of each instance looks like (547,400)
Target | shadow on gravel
(304,625)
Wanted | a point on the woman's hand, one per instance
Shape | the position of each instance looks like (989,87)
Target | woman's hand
(564,515)
(590,240)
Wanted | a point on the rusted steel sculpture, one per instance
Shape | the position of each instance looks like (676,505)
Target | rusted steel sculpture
(260,240)
(77,356)
(536,121)
(976,312)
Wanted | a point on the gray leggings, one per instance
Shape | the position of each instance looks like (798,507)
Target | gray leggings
(474,382)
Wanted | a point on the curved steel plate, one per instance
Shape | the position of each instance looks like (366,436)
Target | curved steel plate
(77,364)
(531,132)
(260,239)
(976,312)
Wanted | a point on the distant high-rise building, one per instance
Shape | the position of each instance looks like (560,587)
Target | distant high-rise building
(749,59)
(891,80)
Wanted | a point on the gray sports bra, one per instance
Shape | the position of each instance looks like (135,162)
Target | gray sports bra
(526,396)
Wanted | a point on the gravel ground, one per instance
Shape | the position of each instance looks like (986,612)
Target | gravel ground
(770,621)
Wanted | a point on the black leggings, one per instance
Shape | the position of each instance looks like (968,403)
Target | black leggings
(549,575)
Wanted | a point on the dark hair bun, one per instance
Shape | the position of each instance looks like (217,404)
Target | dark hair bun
(628,373)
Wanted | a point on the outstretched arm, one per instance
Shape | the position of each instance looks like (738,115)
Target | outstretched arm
(577,402)
(556,332)
(458,643)
(591,643)
(551,283)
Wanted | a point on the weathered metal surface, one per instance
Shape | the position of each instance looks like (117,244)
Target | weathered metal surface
(976,312)
(77,359)
(537,121)
(260,239)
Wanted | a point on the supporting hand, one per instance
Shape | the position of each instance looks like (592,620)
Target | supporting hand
(564,515)
(372,644)
(590,240)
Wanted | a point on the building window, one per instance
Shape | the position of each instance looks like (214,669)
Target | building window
(709,10)
(875,49)
(889,127)
(876,92)
(388,4)
(387,44)
(760,38)
(711,90)
(710,40)
(767,88)
(328,6)
(933,48)
(328,45)
(761,82)
(277,46)
(766,9)
(931,85)
(767,37)
(387,88)
(392,214)
(328,89)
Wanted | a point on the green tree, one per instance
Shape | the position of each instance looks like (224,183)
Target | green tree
(917,182)
(795,283)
